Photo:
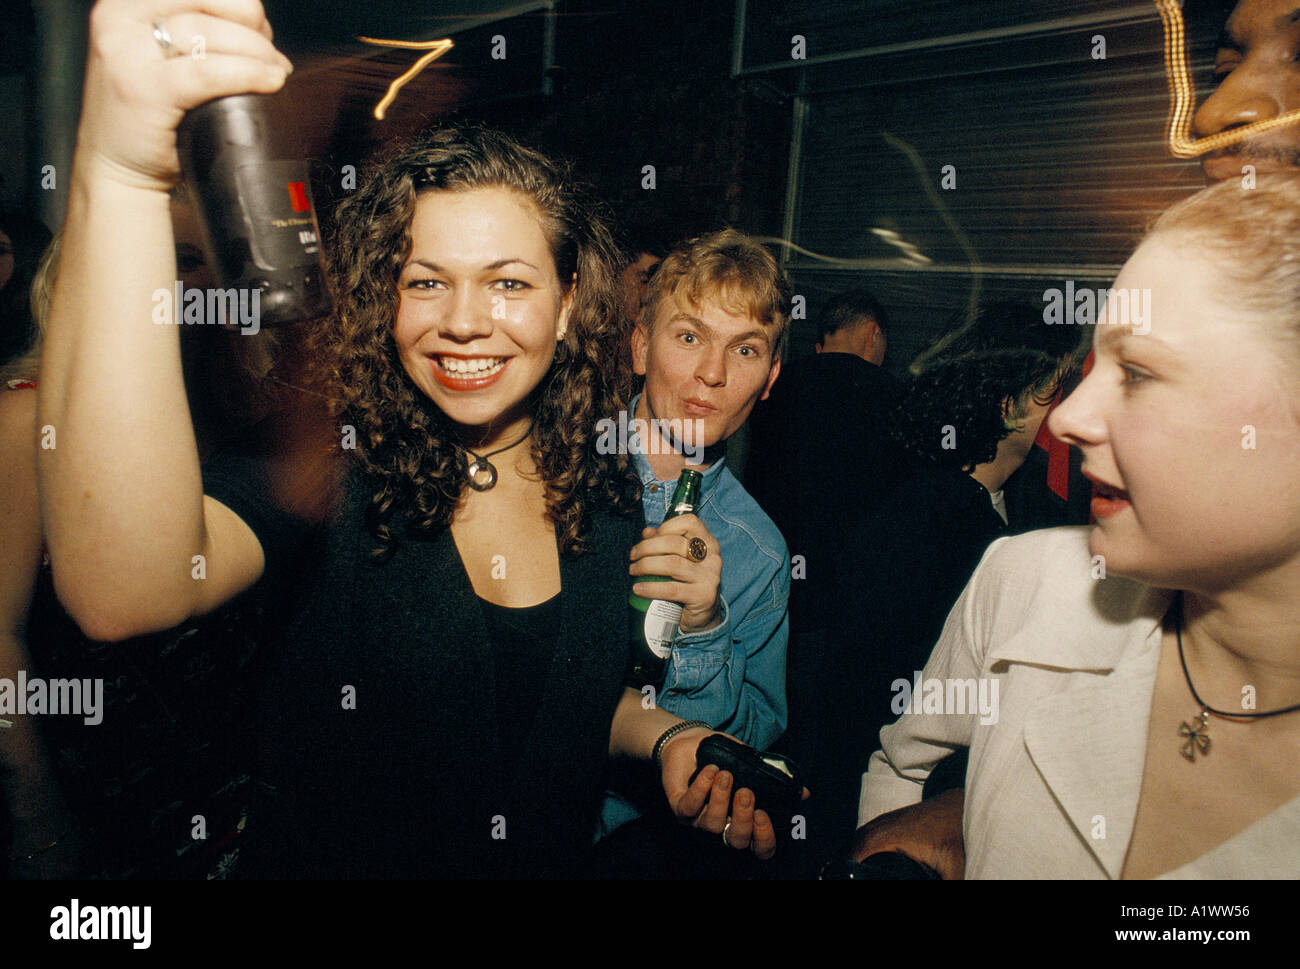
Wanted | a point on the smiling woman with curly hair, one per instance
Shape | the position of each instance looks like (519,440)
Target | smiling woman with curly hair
(416,452)
(448,682)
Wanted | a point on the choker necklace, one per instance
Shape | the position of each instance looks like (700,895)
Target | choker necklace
(1196,734)
(482,475)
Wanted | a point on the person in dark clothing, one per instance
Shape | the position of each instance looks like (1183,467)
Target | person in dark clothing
(959,429)
(818,450)
(821,425)
(819,453)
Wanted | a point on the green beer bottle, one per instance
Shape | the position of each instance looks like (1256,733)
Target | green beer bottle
(652,623)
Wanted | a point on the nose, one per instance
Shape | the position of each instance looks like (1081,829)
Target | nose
(467,315)
(1244,97)
(1078,419)
(711,367)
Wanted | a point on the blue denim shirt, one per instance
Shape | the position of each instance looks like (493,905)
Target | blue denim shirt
(733,675)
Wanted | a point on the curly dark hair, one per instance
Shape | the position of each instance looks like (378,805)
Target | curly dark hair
(403,441)
(965,379)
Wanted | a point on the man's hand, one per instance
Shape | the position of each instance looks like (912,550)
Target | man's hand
(929,832)
(666,551)
(704,803)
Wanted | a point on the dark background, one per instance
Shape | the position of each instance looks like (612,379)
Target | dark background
(1059,157)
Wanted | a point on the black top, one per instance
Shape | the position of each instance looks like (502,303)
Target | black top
(522,641)
(380,722)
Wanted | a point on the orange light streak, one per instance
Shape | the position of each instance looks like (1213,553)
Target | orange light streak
(1181,142)
(435,48)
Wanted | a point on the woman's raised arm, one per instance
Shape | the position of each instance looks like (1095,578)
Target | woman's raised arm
(121,494)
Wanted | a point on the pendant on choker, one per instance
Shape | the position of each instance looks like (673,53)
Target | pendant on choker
(482,475)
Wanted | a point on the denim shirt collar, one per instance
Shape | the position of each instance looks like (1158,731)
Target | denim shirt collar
(647,475)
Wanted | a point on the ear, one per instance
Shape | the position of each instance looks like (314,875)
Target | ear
(1009,419)
(640,349)
(566,307)
(771,378)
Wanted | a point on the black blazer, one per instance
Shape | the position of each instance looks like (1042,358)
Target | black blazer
(818,449)
(407,781)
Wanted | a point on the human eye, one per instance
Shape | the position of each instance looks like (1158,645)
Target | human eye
(1225,62)
(747,351)
(1132,375)
(511,285)
(423,283)
(688,338)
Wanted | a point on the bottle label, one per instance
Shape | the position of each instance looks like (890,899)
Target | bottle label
(661,620)
(276,197)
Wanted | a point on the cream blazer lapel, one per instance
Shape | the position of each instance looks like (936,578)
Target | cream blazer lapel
(1088,740)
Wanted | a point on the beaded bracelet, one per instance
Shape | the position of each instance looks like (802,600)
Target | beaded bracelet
(657,754)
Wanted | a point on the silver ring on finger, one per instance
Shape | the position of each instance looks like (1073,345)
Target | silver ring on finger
(725,828)
(163,38)
(697,549)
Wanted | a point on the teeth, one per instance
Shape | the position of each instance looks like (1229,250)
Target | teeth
(476,366)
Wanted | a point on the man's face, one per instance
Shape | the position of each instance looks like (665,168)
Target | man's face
(635,284)
(704,363)
(1259,78)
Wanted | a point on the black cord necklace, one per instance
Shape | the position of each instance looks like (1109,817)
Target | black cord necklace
(482,473)
(1197,734)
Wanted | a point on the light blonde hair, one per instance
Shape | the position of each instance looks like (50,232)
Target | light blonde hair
(25,365)
(735,270)
(246,395)
(1254,236)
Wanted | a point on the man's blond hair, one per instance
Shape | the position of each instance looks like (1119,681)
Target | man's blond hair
(731,268)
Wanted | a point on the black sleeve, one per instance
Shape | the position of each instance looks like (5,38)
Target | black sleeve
(241,481)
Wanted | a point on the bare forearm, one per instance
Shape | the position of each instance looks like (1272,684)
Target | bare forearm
(121,492)
(636,729)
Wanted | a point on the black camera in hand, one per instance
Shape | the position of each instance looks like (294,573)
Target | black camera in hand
(773,778)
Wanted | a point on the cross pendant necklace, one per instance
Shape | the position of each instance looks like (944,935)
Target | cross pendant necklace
(1197,734)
